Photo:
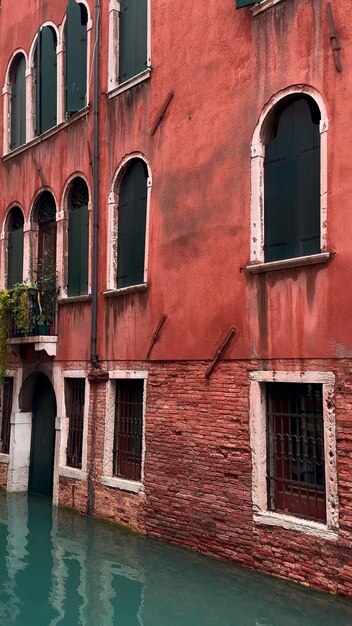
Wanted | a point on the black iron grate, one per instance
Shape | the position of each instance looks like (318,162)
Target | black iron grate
(6,411)
(127,451)
(295,450)
(74,394)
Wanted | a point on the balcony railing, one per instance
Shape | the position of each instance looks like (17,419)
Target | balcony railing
(38,315)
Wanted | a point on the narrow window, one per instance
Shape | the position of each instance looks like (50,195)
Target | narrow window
(292,181)
(6,410)
(132,38)
(132,225)
(127,451)
(74,396)
(295,450)
(18,102)
(78,221)
(45,270)
(15,248)
(76,56)
(46,80)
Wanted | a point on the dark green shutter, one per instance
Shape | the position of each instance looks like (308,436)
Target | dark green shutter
(46,80)
(18,105)
(132,226)
(15,257)
(245,3)
(292,185)
(78,252)
(76,58)
(133,33)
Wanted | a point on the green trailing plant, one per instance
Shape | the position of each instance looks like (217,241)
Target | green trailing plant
(5,316)
(20,309)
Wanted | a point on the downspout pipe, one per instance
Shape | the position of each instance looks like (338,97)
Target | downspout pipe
(96,87)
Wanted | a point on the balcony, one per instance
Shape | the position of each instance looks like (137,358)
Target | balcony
(30,316)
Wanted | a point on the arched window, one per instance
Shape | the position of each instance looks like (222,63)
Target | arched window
(76,56)
(46,79)
(18,102)
(78,229)
(292,180)
(133,36)
(132,212)
(15,247)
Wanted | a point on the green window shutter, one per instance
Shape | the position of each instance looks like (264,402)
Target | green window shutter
(46,80)
(18,105)
(292,185)
(78,252)
(245,3)
(15,257)
(76,57)
(132,226)
(132,38)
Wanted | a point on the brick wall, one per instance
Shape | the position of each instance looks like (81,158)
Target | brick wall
(3,475)
(198,472)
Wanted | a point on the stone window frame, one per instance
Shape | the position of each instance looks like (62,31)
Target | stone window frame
(114,87)
(108,479)
(257,209)
(6,95)
(113,207)
(66,470)
(257,424)
(15,374)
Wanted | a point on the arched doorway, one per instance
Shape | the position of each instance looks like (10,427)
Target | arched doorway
(41,466)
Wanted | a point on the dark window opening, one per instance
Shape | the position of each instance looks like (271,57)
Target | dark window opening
(15,248)
(295,450)
(6,410)
(74,396)
(18,102)
(46,80)
(127,451)
(132,38)
(76,57)
(132,213)
(292,181)
(78,238)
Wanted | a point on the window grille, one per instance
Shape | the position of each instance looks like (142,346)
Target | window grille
(127,451)
(6,410)
(74,394)
(295,450)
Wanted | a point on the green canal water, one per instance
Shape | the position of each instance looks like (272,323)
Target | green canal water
(59,568)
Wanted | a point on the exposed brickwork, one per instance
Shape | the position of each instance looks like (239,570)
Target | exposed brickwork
(198,472)
(3,475)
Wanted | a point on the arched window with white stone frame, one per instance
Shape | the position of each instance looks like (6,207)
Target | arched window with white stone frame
(76,42)
(289,182)
(14,103)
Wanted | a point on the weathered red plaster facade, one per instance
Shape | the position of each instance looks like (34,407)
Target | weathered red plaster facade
(223,66)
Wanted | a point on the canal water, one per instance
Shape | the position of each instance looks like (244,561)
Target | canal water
(57,567)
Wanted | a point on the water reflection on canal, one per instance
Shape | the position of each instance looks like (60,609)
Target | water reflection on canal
(59,568)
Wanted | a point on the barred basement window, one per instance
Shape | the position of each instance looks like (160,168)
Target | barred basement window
(6,410)
(295,450)
(74,397)
(128,436)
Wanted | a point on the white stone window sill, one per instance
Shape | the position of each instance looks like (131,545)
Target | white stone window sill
(299,261)
(111,293)
(46,134)
(121,483)
(316,529)
(72,472)
(74,299)
(4,458)
(263,6)
(131,82)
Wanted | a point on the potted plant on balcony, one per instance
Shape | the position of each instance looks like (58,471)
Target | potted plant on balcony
(47,295)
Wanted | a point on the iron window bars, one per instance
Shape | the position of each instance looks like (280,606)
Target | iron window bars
(74,392)
(127,449)
(6,410)
(295,450)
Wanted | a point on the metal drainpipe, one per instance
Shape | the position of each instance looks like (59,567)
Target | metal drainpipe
(96,86)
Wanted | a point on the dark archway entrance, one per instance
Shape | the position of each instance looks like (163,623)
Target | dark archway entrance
(43,438)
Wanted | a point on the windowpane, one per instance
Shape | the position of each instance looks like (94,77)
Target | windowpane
(78,232)
(6,410)
(292,182)
(18,103)
(295,450)
(15,248)
(46,77)
(127,452)
(76,56)
(133,38)
(74,396)
(132,225)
